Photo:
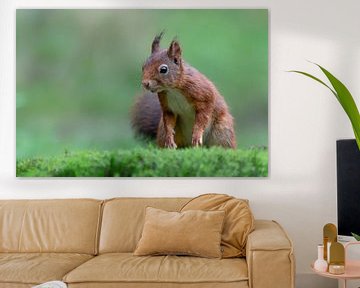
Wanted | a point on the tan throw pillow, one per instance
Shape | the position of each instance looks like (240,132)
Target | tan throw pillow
(196,233)
(239,220)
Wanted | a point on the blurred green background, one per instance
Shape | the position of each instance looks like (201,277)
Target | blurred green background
(79,72)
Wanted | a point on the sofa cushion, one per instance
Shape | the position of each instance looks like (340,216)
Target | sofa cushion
(15,285)
(239,220)
(63,226)
(123,220)
(193,232)
(126,268)
(36,268)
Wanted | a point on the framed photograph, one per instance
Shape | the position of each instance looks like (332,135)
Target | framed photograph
(142,93)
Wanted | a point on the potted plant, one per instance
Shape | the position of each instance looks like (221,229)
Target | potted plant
(348,159)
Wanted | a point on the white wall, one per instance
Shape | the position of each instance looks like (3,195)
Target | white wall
(305,120)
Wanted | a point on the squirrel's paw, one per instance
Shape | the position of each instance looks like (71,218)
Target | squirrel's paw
(170,143)
(196,141)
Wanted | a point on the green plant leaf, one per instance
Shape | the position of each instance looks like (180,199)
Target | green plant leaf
(356,236)
(316,79)
(344,97)
(347,102)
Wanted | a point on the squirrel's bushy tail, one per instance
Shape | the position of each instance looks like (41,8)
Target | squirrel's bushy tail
(145,116)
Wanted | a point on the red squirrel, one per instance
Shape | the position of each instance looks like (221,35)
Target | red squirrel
(181,107)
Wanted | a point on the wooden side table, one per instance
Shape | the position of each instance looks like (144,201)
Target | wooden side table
(352,268)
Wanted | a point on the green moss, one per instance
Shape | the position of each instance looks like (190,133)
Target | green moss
(150,162)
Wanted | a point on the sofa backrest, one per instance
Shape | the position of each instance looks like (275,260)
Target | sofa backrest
(68,226)
(123,220)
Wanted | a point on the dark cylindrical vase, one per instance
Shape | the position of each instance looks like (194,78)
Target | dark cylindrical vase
(348,187)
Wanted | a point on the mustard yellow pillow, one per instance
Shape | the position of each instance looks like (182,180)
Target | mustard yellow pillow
(193,232)
(238,223)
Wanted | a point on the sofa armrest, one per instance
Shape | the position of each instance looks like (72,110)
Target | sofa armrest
(269,256)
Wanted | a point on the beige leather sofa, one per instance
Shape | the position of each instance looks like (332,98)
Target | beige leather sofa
(89,243)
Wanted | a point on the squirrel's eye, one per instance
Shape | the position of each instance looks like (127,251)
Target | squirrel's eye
(163,69)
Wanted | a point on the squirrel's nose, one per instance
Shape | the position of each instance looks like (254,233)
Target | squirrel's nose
(146,84)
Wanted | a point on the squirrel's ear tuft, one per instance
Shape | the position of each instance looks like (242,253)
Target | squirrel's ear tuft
(155,46)
(174,51)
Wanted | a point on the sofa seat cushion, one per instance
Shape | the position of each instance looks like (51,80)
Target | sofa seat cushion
(127,268)
(36,268)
